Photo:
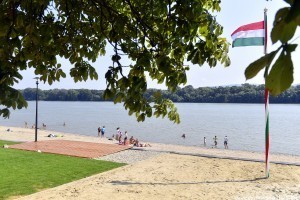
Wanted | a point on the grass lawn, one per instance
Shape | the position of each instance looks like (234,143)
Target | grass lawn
(25,172)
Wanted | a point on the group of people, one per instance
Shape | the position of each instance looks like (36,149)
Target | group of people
(215,141)
(44,126)
(101,131)
(122,138)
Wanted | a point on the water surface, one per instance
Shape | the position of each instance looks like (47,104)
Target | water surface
(242,123)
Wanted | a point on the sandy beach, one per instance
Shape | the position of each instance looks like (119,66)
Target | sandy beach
(177,172)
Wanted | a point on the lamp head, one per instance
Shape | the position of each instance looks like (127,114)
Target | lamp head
(37,79)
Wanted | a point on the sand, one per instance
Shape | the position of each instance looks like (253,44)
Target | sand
(175,176)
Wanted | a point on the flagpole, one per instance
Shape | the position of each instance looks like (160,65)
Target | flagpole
(267,133)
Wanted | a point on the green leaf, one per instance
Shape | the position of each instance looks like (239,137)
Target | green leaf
(290,47)
(4,112)
(294,12)
(119,97)
(141,117)
(283,30)
(108,94)
(281,74)
(255,67)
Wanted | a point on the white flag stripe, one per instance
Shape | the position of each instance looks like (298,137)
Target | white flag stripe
(249,34)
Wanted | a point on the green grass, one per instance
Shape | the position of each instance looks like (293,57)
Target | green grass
(25,172)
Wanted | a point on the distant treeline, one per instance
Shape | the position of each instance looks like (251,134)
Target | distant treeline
(245,93)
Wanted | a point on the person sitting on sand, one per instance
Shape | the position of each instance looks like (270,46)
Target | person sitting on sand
(112,137)
(136,143)
(146,145)
(51,135)
(131,140)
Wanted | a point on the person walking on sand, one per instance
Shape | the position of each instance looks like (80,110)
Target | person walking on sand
(226,142)
(102,131)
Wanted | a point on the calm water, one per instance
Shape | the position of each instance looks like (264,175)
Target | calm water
(242,123)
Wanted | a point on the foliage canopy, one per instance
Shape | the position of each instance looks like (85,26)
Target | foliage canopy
(157,35)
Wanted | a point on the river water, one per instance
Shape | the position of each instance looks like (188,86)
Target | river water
(243,124)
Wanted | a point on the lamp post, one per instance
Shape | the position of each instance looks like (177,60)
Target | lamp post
(36,107)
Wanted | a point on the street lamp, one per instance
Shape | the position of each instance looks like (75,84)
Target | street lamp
(36,107)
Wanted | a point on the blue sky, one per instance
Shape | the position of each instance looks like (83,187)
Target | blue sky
(234,13)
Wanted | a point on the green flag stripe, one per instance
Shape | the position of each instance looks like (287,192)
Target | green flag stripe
(254,41)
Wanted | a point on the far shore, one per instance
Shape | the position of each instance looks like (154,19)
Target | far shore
(19,134)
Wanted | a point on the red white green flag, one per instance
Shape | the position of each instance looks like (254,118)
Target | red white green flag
(253,34)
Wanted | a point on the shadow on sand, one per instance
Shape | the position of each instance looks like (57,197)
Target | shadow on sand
(186,183)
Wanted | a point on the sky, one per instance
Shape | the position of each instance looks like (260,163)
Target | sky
(234,13)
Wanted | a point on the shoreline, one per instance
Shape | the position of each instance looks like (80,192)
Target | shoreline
(20,134)
(174,175)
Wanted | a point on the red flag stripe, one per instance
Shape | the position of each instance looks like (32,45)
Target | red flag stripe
(252,26)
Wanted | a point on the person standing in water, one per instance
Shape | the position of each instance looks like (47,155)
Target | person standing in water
(215,141)
(102,131)
(99,131)
(226,142)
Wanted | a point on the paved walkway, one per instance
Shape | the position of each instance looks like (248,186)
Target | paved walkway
(72,148)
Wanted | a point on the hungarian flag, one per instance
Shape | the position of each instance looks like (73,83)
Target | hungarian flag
(253,34)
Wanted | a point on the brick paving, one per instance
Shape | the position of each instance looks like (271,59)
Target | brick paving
(72,148)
